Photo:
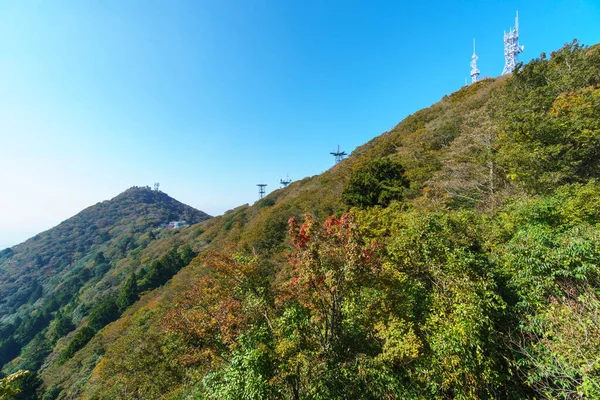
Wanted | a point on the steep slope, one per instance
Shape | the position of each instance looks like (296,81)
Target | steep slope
(478,280)
(68,266)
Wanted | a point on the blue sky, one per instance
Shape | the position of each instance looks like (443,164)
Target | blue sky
(211,97)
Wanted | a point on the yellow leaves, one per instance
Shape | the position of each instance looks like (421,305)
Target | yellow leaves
(582,101)
(400,343)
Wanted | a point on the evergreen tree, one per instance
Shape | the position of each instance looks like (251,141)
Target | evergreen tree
(103,313)
(128,294)
(99,258)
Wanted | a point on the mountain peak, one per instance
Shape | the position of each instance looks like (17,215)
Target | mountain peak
(120,221)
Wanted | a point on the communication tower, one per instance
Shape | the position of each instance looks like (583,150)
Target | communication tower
(261,190)
(474,69)
(156,186)
(339,155)
(285,181)
(512,49)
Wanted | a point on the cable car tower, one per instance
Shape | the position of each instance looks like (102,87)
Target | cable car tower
(512,49)
(261,190)
(474,69)
(339,155)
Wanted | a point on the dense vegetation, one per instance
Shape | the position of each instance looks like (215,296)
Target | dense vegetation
(49,284)
(456,256)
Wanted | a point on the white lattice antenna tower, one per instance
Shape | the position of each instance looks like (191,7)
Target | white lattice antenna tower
(512,49)
(474,69)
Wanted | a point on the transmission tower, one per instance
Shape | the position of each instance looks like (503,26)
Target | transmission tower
(261,190)
(512,49)
(285,181)
(474,69)
(156,186)
(339,155)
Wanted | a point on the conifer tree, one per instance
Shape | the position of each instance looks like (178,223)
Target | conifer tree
(128,294)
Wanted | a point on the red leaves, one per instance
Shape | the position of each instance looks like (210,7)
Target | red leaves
(329,263)
(299,234)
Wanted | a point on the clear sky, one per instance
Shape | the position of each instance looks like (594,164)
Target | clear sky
(210,98)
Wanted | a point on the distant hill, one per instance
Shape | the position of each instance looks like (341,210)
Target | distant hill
(53,268)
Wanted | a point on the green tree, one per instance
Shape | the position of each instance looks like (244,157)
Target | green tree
(103,313)
(62,327)
(99,258)
(378,182)
(9,386)
(549,119)
(128,294)
(187,254)
(28,385)
(78,342)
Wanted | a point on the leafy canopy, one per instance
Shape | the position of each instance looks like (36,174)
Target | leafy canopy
(378,182)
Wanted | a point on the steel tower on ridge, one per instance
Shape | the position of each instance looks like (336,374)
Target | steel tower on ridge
(339,155)
(512,49)
(474,69)
(261,190)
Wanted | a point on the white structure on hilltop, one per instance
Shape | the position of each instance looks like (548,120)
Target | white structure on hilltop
(474,69)
(512,49)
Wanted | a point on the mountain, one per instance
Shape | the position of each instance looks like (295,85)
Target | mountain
(455,256)
(80,258)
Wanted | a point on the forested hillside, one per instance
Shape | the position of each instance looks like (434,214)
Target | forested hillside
(455,256)
(52,282)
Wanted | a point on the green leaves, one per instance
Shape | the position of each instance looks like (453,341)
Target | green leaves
(80,339)
(378,182)
(549,115)
(128,294)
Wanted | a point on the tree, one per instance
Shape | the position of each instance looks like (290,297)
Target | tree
(187,254)
(9,386)
(128,294)
(378,182)
(78,342)
(323,345)
(103,313)
(470,172)
(99,258)
(62,327)
(549,119)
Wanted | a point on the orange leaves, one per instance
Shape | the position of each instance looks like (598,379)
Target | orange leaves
(211,312)
(217,308)
(207,314)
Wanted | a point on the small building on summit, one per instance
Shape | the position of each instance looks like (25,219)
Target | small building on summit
(177,224)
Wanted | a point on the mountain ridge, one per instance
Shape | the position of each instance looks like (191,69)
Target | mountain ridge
(474,238)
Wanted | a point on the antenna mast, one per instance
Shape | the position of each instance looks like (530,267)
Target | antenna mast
(474,69)
(261,190)
(285,181)
(339,155)
(156,186)
(512,49)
